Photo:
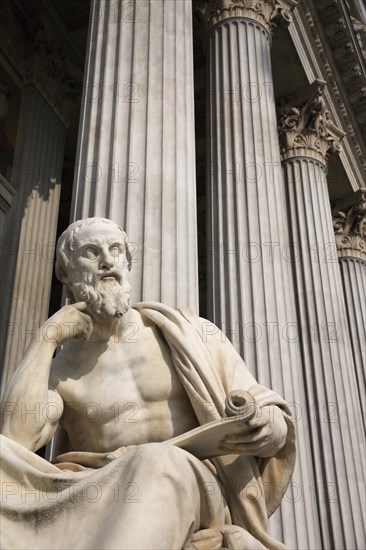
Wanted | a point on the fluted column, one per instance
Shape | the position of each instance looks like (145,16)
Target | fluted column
(29,232)
(250,293)
(349,221)
(246,273)
(136,156)
(30,227)
(307,136)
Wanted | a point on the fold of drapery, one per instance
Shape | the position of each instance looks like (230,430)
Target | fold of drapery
(208,370)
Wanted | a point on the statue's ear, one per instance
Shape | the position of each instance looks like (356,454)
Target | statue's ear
(129,250)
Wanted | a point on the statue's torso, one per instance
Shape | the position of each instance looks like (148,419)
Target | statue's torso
(126,392)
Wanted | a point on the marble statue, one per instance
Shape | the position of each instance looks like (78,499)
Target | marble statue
(151,459)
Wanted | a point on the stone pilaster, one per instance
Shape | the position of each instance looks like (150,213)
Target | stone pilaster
(30,227)
(307,135)
(136,144)
(349,221)
(250,294)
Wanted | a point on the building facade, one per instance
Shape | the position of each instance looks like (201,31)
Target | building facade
(228,138)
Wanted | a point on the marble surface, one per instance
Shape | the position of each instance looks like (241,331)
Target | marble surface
(328,362)
(136,151)
(126,381)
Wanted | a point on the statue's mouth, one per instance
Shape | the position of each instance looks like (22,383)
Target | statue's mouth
(110,277)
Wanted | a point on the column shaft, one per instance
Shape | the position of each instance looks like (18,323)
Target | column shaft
(349,222)
(247,279)
(353,275)
(337,433)
(136,144)
(248,276)
(30,227)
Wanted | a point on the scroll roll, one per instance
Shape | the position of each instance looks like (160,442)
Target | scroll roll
(240,403)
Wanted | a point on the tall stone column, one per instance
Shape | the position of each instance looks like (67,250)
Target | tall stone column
(250,292)
(307,136)
(136,157)
(349,221)
(246,234)
(30,227)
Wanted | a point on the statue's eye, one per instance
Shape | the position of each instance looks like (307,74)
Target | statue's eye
(115,250)
(90,252)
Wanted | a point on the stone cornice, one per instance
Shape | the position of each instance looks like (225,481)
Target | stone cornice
(347,37)
(349,222)
(305,127)
(304,14)
(269,13)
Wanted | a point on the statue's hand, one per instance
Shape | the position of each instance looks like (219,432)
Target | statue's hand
(262,436)
(118,452)
(69,323)
(101,459)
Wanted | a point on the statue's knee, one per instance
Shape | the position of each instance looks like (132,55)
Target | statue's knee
(160,455)
(149,450)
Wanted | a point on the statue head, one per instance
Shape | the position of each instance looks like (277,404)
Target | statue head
(92,261)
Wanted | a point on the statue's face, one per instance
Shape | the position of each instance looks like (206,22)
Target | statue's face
(98,269)
(99,249)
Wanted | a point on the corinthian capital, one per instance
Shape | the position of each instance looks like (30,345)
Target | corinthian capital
(349,224)
(270,13)
(305,127)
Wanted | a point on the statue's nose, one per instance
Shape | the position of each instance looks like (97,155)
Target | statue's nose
(106,260)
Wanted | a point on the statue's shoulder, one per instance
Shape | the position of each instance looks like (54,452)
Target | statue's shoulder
(189,314)
(200,323)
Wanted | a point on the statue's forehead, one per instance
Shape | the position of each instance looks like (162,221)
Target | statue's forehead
(97,232)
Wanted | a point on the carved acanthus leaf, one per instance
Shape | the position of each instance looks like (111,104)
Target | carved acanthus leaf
(270,13)
(305,127)
(350,227)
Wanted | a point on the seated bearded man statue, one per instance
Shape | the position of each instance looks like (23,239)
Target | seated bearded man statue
(163,450)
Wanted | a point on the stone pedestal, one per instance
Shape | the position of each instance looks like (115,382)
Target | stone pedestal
(307,135)
(29,233)
(349,221)
(250,291)
(136,159)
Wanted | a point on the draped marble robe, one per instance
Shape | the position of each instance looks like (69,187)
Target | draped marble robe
(36,493)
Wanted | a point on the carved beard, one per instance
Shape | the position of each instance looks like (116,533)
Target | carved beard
(105,298)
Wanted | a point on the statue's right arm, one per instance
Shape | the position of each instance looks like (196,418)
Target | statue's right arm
(30,410)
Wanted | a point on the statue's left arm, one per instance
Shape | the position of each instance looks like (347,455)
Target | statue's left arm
(265,434)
